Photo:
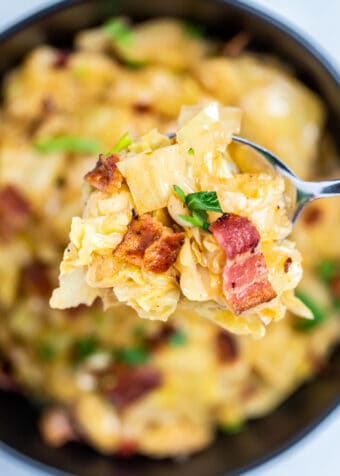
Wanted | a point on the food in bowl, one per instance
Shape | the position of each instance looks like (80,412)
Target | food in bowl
(175,222)
(122,384)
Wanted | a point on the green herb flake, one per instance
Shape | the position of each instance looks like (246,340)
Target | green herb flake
(46,351)
(318,313)
(132,355)
(119,31)
(180,192)
(84,348)
(134,64)
(123,142)
(193,30)
(68,144)
(232,428)
(178,338)
(191,151)
(207,201)
(327,270)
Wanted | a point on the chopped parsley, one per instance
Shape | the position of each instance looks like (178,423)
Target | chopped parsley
(199,203)
(46,351)
(119,31)
(84,348)
(178,338)
(123,142)
(193,30)
(132,355)
(232,428)
(68,144)
(318,313)
(327,270)
(191,151)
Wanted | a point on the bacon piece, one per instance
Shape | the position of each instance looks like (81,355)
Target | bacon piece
(287,264)
(56,427)
(127,448)
(61,59)
(312,215)
(14,212)
(227,348)
(161,337)
(245,276)
(106,175)
(142,232)
(35,279)
(134,383)
(236,44)
(163,253)
(335,287)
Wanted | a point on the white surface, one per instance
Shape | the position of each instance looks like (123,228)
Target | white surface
(319,452)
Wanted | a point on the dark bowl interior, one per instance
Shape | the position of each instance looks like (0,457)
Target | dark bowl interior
(264,438)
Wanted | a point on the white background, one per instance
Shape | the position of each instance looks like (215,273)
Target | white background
(319,453)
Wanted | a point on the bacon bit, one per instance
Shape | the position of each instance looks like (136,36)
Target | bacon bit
(106,175)
(161,337)
(236,44)
(312,215)
(48,105)
(245,276)
(142,232)
(14,212)
(335,287)
(56,427)
(134,383)
(61,59)
(287,264)
(163,253)
(35,279)
(127,448)
(227,348)
(141,107)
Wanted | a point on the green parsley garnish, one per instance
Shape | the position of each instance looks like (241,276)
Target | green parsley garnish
(46,351)
(193,30)
(118,30)
(68,144)
(84,348)
(328,270)
(198,203)
(178,338)
(132,355)
(318,313)
(123,142)
(191,151)
(232,428)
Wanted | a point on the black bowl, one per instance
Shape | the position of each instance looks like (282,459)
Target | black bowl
(264,438)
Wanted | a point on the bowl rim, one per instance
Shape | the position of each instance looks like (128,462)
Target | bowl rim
(334,74)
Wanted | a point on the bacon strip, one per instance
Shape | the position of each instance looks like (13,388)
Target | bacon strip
(14,212)
(147,243)
(245,276)
(105,176)
(134,383)
(163,253)
(36,280)
(227,348)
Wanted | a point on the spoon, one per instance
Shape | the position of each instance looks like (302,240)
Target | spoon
(306,191)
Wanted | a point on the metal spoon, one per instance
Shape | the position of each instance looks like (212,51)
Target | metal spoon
(306,192)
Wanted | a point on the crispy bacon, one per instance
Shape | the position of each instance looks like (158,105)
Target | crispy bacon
(147,243)
(227,348)
(236,44)
(163,253)
(335,286)
(312,215)
(61,59)
(142,232)
(134,383)
(127,447)
(56,427)
(287,264)
(245,276)
(14,212)
(36,280)
(106,175)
